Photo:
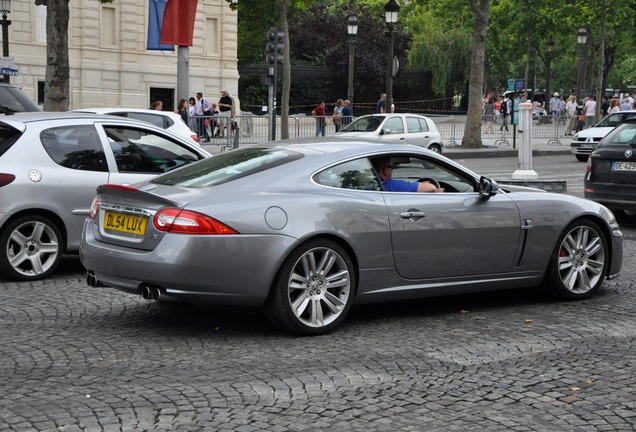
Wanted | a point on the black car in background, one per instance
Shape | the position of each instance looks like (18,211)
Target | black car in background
(13,100)
(610,178)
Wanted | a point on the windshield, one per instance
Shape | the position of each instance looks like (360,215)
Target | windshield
(624,135)
(615,119)
(227,166)
(364,124)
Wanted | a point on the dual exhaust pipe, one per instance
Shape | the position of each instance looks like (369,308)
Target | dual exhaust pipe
(91,280)
(148,292)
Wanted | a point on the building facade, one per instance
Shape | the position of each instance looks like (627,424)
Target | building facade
(109,63)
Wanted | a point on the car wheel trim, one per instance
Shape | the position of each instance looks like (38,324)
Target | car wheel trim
(581,259)
(319,287)
(39,248)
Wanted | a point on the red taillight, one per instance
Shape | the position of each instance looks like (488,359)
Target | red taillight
(588,169)
(110,186)
(5,179)
(174,220)
(94,210)
(195,137)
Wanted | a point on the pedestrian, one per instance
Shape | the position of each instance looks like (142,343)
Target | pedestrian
(506,106)
(319,114)
(457,102)
(347,112)
(156,106)
(614,105)
(489,113)
(590,112)
(336,118)
(497,109)
(570,112)
(604,107)
(556,106)
(182,110)
(192,113)
(626,104)
(379,105)
(203,108)
(226,108)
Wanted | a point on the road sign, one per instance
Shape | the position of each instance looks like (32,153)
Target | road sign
(520,85)
(511,84)
(9,71)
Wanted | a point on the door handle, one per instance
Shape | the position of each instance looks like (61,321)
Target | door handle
(412,215)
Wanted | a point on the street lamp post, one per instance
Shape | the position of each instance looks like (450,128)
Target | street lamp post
(352,30)
(5,8)
(581,38)
(391,10)
(548,59)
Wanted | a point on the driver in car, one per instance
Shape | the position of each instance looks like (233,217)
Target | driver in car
(384,169)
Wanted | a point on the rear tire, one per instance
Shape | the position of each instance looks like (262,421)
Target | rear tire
(579,262)
(31,248)
(313,290)
(582,158)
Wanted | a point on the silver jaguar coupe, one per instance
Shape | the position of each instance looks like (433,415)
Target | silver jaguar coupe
(305,229)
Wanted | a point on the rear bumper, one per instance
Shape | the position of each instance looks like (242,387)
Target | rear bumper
(232,269)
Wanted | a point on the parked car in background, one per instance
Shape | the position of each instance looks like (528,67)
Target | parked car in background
(164,119)
(585,141)
(304,229)
(406,128)
(50,167)
(13,100)
(610,178)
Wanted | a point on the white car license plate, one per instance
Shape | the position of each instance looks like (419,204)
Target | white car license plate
(624,166)
(588,146)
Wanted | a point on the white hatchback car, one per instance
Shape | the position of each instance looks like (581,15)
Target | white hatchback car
(584,142)
(406,128)
(50,166)
(163,119)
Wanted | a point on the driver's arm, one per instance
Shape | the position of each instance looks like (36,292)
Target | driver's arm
(428,187)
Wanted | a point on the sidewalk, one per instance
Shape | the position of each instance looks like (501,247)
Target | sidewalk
(540,147)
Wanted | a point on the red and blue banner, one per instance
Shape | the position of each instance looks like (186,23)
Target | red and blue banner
(170,22)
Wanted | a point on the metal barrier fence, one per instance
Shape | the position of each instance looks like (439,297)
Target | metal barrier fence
(249,128)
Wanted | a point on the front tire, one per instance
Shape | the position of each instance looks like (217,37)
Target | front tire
(31,248)
(579,261)
(582,157)
(436,148)
(313,290)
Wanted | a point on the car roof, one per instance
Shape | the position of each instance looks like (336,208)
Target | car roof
(27,117)
(392,115)
(345,147)
(106,110)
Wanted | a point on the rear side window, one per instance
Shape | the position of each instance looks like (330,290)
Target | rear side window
(356,174)
(75,147)
(8,136)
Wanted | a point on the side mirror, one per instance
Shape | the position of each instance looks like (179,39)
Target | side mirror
(487,187)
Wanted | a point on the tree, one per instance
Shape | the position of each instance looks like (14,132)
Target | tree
(472,131)
(56,84)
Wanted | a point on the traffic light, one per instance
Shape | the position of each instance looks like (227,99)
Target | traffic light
(275,45)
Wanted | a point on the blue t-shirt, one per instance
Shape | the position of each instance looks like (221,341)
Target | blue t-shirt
(379,106)
(400,186)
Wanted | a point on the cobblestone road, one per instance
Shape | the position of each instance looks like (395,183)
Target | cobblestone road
(81,359)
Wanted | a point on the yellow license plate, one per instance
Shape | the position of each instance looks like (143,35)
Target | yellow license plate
(125,223)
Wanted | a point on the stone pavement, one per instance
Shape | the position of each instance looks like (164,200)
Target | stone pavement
(80,359)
